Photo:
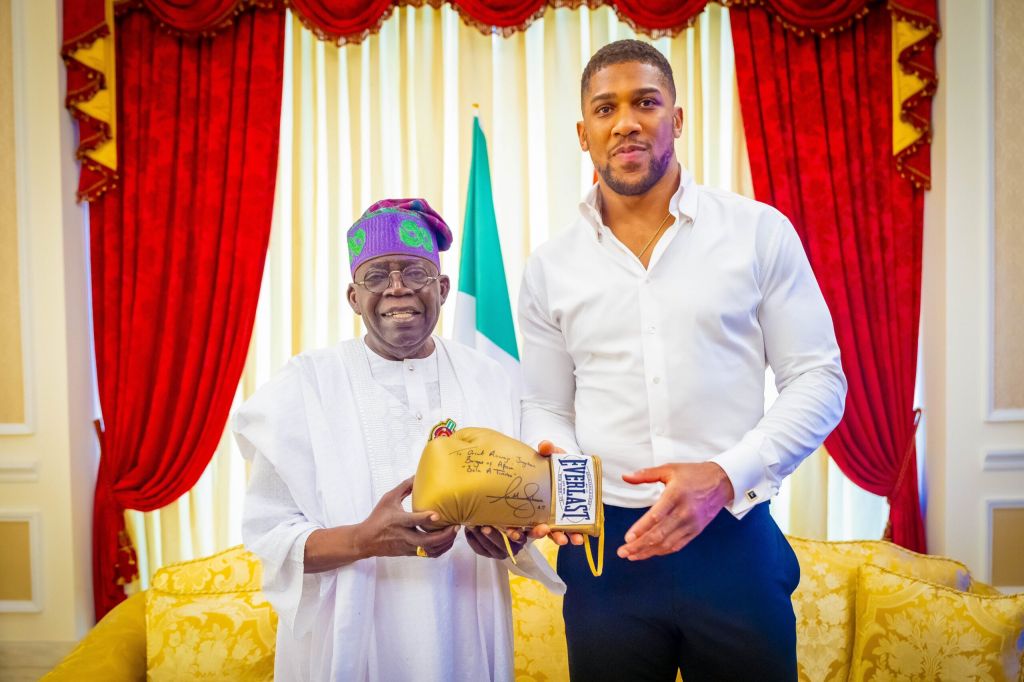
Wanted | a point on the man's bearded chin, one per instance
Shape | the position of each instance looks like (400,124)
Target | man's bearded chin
(655,170)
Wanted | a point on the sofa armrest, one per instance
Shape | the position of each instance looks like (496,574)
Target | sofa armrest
(114,650)
(978,587)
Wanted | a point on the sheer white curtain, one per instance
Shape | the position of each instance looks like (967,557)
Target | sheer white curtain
(392,117)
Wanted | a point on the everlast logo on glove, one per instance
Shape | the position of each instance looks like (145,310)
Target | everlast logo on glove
(479,477)
(574,490)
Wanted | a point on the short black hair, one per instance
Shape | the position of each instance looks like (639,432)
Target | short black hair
(628,50)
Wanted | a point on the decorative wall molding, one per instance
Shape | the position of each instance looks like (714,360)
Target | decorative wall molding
(1001,415)
(1004,460)
(34,519)
(1007,413)
(21,163)
(19,471)
(990,506)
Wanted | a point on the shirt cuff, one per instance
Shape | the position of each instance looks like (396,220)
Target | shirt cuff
(297,553)
(743,465)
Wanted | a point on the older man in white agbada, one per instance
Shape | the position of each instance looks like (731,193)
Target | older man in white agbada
(365,589)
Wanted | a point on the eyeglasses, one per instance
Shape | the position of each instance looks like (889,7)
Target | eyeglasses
(413,277)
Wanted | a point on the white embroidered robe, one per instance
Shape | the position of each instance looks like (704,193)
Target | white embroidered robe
(325,438)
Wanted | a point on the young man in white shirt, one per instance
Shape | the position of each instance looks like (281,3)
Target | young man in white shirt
(647,328)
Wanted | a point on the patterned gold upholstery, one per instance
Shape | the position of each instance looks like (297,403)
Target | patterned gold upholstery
(824,599)
(913,629)
(540,653)
(206,619)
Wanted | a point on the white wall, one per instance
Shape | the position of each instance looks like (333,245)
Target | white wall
(61,449)
(957,299)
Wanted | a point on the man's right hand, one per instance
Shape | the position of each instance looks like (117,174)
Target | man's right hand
(389,530)
(487,541)
(547,448)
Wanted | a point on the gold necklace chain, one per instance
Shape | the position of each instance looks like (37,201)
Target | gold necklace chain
(650,241)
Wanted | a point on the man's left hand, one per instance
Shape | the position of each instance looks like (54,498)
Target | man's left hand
(487,541)
(694,494)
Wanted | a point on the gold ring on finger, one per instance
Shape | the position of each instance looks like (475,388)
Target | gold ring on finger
(421,552)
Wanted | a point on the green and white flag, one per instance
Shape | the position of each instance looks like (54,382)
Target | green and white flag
(483,315)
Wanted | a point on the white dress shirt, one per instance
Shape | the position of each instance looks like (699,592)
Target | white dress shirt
(645,367)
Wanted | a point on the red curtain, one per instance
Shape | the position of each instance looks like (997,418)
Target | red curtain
(177,257)
(352,20)
(818,119)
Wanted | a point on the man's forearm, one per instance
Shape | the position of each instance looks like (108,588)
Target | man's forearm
(330,548)
(806,410)
(540,423)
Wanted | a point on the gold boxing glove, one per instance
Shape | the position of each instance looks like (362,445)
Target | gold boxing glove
(479,477)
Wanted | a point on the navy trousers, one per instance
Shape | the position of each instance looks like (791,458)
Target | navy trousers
(719,609)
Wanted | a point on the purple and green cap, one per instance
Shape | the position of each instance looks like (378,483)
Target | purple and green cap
(408,227)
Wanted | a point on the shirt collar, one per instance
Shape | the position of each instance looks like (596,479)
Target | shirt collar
(683,202)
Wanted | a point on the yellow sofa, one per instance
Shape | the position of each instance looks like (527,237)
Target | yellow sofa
(865,611)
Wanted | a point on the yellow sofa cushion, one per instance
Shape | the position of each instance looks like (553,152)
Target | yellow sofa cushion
(912,629)
(113,651)
(824,599)
(207,620)
(978,587)
(540,650)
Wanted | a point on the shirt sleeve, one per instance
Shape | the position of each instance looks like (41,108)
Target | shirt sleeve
(800,347)
(274,524)
(275,530)
(549,381)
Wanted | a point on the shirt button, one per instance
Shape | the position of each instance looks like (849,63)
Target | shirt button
(419,416)
(650,330)
(411,368)
(657,380)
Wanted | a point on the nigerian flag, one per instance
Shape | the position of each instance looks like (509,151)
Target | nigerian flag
(483,316)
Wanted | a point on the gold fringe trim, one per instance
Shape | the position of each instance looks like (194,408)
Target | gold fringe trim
(108,181)
(124,6)
(87,144)
(801,31)
(220,25)
(357,38)
(96,81)
(653,33)
(85,40)
(908,106)
(96,78)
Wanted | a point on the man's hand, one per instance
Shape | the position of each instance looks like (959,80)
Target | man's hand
(389,530)
(693,496)
(547,448)
(487,541)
